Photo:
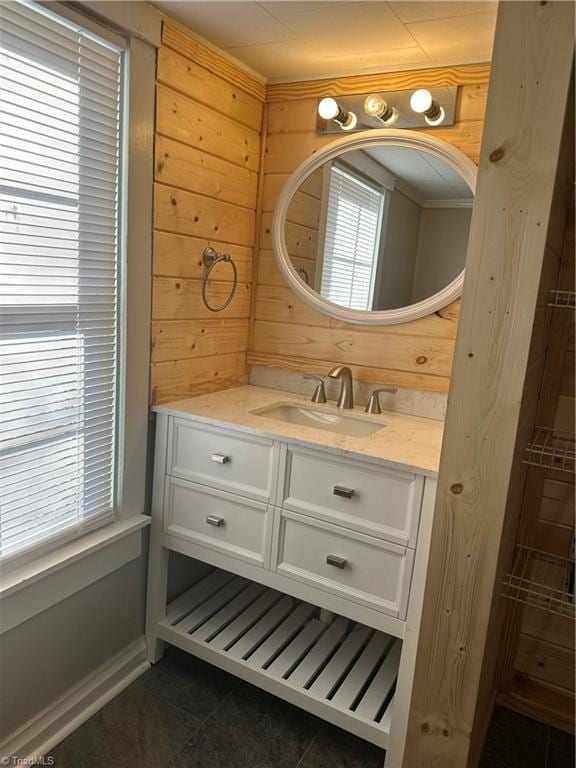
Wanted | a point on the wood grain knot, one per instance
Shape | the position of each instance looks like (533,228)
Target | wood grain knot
(421,360)
(425,728)
(457,488)
(497,154)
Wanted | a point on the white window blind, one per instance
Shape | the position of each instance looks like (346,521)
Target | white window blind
(351,240)
(59,174)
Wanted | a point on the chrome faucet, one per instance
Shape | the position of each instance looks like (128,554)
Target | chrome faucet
(346,398)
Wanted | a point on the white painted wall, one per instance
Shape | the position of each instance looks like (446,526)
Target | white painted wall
(41,659)
(398,251)
(442,249)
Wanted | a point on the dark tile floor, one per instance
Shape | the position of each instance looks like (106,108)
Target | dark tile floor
(184,713)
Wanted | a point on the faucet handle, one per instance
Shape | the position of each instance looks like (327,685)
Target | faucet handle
(374,401)
(319,395)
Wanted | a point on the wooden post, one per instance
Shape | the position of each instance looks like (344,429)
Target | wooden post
(529,85)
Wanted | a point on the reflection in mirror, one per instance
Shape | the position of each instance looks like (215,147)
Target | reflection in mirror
(379,228)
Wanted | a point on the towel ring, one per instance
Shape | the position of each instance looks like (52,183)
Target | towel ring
(210,257)
(303,274)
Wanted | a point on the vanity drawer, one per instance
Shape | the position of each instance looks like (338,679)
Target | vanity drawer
(234,525)
(360,495)
(233,461)
(361,568)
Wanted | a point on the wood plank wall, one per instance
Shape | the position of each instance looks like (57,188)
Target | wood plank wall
(288,334)
(302,226)
(207,159)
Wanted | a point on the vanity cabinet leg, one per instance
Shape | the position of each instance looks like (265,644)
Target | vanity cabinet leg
(156,601)
(326,616)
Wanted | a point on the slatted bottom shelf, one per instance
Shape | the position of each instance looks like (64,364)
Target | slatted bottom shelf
(341,671)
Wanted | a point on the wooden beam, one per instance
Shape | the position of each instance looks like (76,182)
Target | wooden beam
(531,68)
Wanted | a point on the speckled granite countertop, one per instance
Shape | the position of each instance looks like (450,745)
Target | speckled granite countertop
(406,442)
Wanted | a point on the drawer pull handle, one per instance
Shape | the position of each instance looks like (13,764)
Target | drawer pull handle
(345,493)
(217,521)
(337,562)
(220,458)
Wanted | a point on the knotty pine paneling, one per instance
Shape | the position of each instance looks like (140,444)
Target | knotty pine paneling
(208,88)
(351,345)
(192,123)
(180,339)
(365,373)
(197,376)
(280,304)
(207,157)
(286,333)
(180,165)
(546,661)
(470,74)
(180,299)
(181,256)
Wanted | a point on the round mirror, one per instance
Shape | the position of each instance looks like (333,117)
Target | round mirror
(374,227)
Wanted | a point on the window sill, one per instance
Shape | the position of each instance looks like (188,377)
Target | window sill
(39,584)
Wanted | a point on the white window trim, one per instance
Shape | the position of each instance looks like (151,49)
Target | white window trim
(38,585)
(134,340)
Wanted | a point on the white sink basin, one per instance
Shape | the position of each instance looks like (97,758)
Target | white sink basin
(321,417)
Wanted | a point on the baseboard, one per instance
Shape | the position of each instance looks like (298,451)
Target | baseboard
(47,729)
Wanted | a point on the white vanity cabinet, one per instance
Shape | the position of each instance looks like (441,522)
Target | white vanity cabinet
(319,559)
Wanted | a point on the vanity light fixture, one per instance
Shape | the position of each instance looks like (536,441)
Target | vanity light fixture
(329,109)
(376,106)
(425,104)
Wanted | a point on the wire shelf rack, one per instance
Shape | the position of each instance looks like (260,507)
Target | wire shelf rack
(551,448)
(541,580)
(562,299)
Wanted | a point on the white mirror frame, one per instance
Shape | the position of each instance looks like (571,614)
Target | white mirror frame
(397,138)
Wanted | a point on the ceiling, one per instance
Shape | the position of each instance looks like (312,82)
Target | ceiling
(430,177)
(297,39)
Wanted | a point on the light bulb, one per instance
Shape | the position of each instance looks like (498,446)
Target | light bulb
(350,123)
(328,109)
(375,105)
(421,100)
(378,107)
(436,120)
(392,119)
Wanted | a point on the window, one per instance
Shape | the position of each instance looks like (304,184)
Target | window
(351,240)
(60,94)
